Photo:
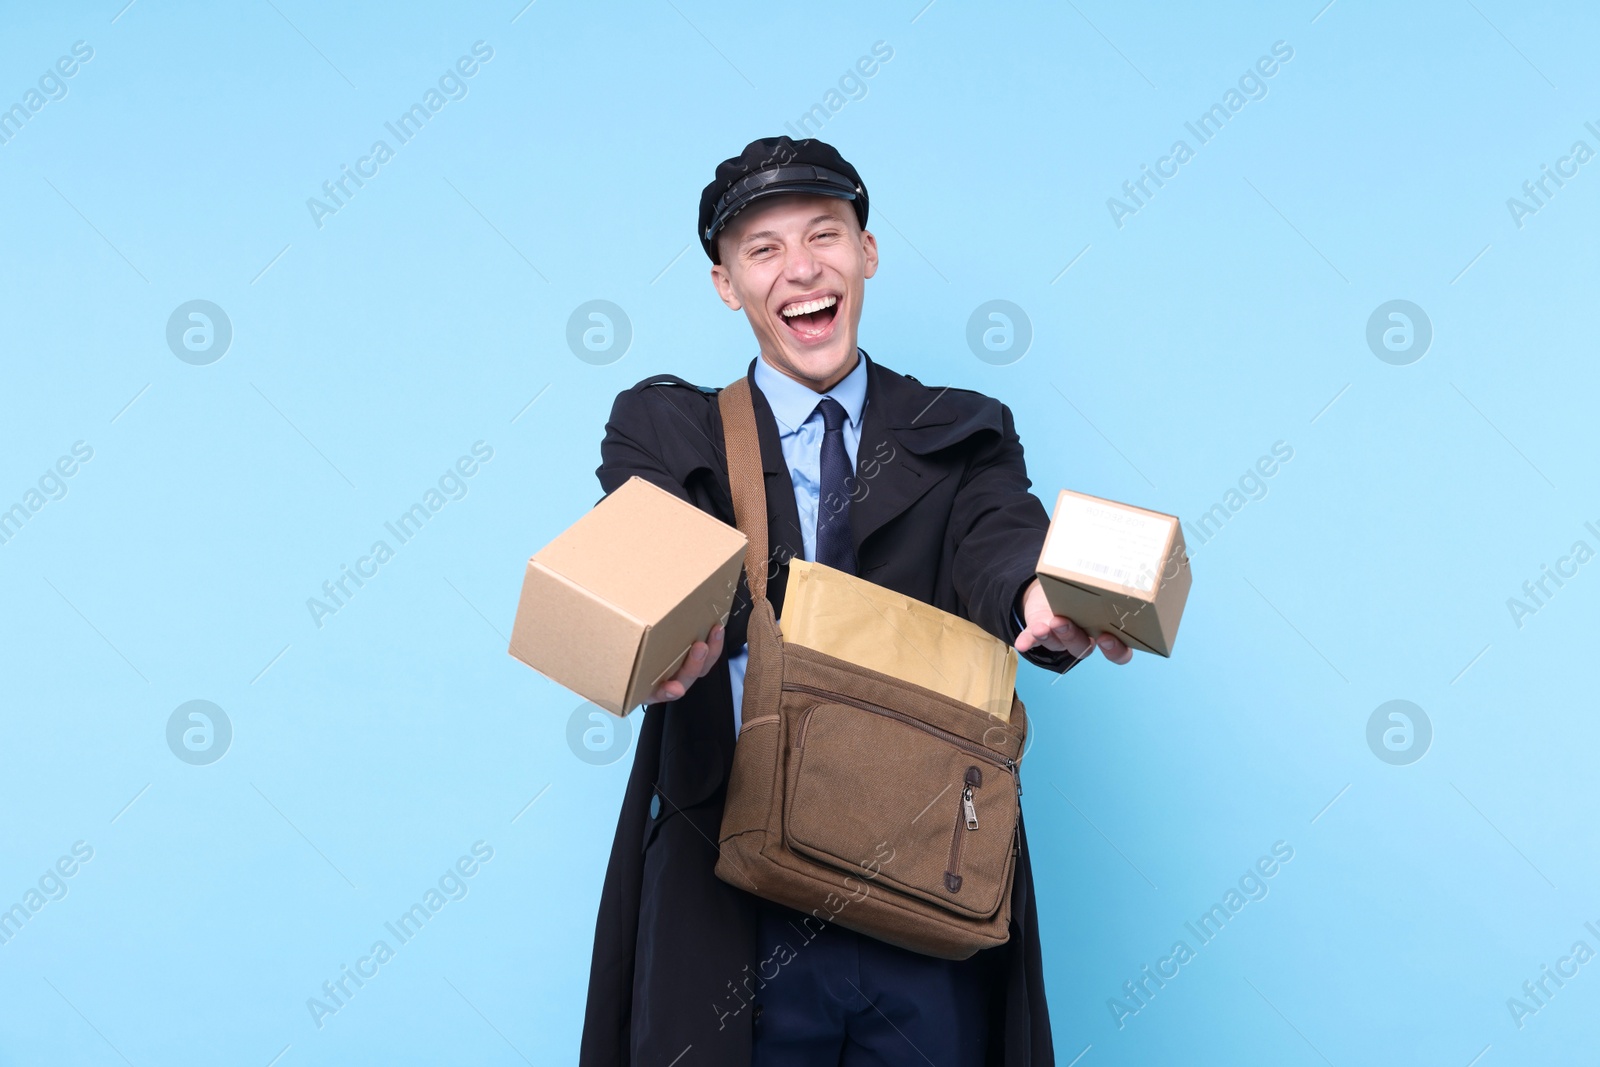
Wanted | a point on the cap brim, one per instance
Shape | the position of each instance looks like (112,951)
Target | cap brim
(839,189)
(818,189)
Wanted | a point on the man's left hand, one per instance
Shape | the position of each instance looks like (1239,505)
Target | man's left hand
(1060,634)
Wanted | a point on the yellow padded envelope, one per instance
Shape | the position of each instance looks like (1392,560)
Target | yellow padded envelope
(848,617)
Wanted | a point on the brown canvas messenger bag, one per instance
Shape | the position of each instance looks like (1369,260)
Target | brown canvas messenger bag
(855,797)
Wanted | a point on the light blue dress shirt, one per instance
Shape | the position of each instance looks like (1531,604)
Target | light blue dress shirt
(800,430)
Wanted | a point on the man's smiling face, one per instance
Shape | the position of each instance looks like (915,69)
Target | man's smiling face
(797,265)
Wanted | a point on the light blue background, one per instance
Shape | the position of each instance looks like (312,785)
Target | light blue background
(424,316)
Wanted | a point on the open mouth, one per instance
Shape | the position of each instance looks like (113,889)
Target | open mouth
(811,320)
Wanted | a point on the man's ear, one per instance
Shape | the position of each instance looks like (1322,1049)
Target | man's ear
(869,245)
(724,283)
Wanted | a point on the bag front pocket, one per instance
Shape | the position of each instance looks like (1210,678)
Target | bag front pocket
(870,791)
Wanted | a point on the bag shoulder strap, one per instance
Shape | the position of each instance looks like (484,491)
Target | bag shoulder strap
(746,480)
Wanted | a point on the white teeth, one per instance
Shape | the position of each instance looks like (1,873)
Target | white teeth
(809,306)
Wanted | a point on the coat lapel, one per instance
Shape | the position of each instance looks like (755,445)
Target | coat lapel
(905,425)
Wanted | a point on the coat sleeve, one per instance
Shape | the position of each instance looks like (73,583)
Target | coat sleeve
(643,432)
(998,527)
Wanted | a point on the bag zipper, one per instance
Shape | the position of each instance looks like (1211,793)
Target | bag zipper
(966,813)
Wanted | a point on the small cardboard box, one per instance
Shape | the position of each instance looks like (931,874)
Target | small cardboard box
(611,607)
(1114,568)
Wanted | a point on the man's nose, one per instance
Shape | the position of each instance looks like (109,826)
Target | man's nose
(800,265)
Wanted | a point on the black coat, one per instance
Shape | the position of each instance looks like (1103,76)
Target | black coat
(943,514)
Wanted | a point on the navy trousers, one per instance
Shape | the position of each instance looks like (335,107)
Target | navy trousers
(845,998)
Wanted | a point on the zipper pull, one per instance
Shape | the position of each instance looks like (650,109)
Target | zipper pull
(966,804)
(1011,765)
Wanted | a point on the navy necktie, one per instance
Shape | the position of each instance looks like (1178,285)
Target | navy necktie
(834,545)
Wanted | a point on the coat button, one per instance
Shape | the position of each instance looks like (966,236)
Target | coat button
(655,805)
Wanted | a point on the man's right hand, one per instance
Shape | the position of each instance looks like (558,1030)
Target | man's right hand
(702,656)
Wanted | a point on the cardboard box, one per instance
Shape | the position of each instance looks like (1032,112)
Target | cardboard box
(611,607)
(1114,568)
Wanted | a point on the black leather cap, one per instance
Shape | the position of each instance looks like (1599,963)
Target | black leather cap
(775,165)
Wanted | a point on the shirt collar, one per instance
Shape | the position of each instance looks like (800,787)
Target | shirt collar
(792,403)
